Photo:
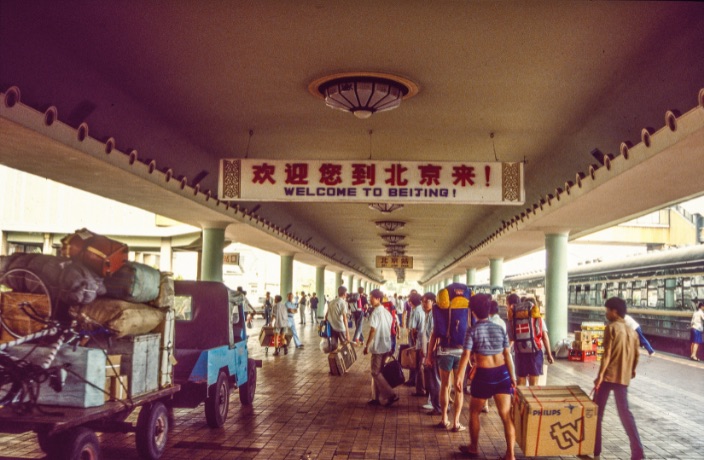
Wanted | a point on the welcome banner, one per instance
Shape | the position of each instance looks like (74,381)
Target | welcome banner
(371,181)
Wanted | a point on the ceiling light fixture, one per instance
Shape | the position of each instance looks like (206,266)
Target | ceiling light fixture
(385,207)
(363,93)
(393,238)
(389,225)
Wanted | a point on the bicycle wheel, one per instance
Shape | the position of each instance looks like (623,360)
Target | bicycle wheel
(23,312)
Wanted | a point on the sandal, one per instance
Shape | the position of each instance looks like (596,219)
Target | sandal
(468,453)
(458,428)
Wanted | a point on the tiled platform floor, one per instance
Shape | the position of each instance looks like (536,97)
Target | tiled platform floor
(301,412)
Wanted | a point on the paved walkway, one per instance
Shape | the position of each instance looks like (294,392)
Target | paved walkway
(301,412)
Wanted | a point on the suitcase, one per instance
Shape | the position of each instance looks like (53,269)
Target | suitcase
(99,253)
(342,359)
(134,282)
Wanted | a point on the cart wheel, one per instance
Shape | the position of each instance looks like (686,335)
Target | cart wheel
(45,441)
(216,405)
(152,430)
(247,390)
(79,443)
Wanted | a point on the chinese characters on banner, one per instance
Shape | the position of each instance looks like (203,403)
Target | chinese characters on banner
(394,262)
(370,181)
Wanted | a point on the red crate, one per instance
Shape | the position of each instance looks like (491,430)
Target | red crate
(582,356)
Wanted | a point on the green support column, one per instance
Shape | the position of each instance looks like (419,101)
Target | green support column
(286,274)
(350,280)
(211,259)
(338,283)
(456,279)
(556,286)
(320,289)
(496,272)
(471,276)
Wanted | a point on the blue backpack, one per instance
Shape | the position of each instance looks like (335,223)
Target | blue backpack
(451,314)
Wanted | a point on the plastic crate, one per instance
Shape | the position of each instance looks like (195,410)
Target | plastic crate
(582,356)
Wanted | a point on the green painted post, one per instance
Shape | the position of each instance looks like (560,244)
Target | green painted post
(211,260)
(556,286)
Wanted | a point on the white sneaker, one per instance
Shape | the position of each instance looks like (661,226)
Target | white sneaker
(428,406)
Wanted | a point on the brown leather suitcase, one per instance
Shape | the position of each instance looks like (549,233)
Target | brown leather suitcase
(342,359)
(99,253)
(266,335)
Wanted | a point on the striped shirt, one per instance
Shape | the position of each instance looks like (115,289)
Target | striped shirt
(486,338)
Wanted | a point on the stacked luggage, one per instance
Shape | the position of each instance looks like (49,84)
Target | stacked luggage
(93,283)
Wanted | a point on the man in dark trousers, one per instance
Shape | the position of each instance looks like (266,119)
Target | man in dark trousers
(618,367)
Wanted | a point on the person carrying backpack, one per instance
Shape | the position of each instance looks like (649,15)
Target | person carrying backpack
(450,319)
(529,336)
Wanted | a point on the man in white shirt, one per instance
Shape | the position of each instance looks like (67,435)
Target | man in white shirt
(337,316)
(379,344)
(633,324)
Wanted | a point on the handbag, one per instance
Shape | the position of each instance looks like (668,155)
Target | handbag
(393,372)
(324,329)
(408,358)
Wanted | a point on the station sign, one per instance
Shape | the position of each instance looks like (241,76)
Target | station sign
(231,259)
(442,182)
(394,262)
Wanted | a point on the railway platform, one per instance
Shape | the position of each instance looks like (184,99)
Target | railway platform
(302,412)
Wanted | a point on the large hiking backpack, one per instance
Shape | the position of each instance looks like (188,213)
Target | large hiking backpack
(526,327)
(451,314)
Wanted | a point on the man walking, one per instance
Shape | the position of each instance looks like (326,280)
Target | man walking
(337,316)
(379,344)
(358,316)
(268,308)
(302,307)
(314,308)
(618,367)
(291,309)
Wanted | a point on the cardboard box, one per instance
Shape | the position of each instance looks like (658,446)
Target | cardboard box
(584,345)
(116,388)
(554,421)
(14,317)
(112,365)
(582,336)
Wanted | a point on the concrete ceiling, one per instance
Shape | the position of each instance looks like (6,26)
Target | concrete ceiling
(185,82)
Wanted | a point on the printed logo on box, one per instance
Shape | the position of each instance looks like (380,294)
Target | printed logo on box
(568,435)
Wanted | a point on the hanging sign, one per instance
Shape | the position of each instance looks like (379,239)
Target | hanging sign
(448,182)
(394,262)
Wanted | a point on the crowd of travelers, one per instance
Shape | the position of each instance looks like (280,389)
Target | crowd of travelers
(488,359)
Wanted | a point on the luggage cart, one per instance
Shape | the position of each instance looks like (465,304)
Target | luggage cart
(69,432)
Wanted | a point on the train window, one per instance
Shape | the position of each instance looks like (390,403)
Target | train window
(669,293)
(625,292)
(652,293)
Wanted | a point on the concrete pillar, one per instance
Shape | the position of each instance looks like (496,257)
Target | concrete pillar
(456,279)
(350,280)
(166,256)
(556,286)
(286,274)
(4,245)
(471,276)
(320,289)
(338,283)
(496,272)
(211,259)
(48,246)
